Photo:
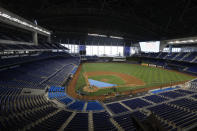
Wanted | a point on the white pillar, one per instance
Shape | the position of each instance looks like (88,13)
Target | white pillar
(163,44)
(49,39)
(35,38)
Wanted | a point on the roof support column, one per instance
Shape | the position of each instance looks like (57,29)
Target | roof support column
(49,39)
(163,44)
(35,38)
(170,49)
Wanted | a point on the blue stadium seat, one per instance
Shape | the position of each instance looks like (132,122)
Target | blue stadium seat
(136,103)
(94,106)
(77,105)
(117,108)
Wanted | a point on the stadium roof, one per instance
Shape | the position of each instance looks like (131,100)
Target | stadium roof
(138,20)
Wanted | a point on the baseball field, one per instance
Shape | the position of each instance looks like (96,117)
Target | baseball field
(125,77)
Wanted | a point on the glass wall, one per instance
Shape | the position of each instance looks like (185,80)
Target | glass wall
(73,48)
(134,50)
(104,50)
(173,49)
(97,50)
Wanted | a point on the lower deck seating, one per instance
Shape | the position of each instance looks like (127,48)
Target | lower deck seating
(94,106)
(171,94)
(126,121)
(9,91)
(57,95)
(72,104)
(194,96)
(34,112)
(117,108)
(184,91)
(186,103)
(53,123)
(13,104)
(77,105)
(23,120)
(66,100)
(19,110)
(79,122)
(155,98)
(102,123)
(56,89)
(179,117)
(136,103)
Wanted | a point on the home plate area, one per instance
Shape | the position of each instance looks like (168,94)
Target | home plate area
(100,84)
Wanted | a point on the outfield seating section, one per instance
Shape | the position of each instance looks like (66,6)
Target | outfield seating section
(192,69)
(183,56)
(183,61)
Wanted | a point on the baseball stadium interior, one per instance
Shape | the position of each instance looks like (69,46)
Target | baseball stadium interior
(98,65)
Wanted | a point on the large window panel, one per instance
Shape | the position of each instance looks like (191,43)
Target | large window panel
(95,50)
(120,50)
(101,50)
(88,50)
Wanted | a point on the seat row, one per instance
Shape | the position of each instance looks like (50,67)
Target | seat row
(183,56)
(51,72)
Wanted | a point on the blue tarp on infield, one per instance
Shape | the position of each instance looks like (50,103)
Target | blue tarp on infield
(100,84)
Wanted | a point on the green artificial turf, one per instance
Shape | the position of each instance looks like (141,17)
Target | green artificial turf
(151,76)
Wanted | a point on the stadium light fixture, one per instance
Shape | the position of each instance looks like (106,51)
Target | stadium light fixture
(96,35)
(13,19)
(191,41)
(183,41)
(177,41)
(116,37)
